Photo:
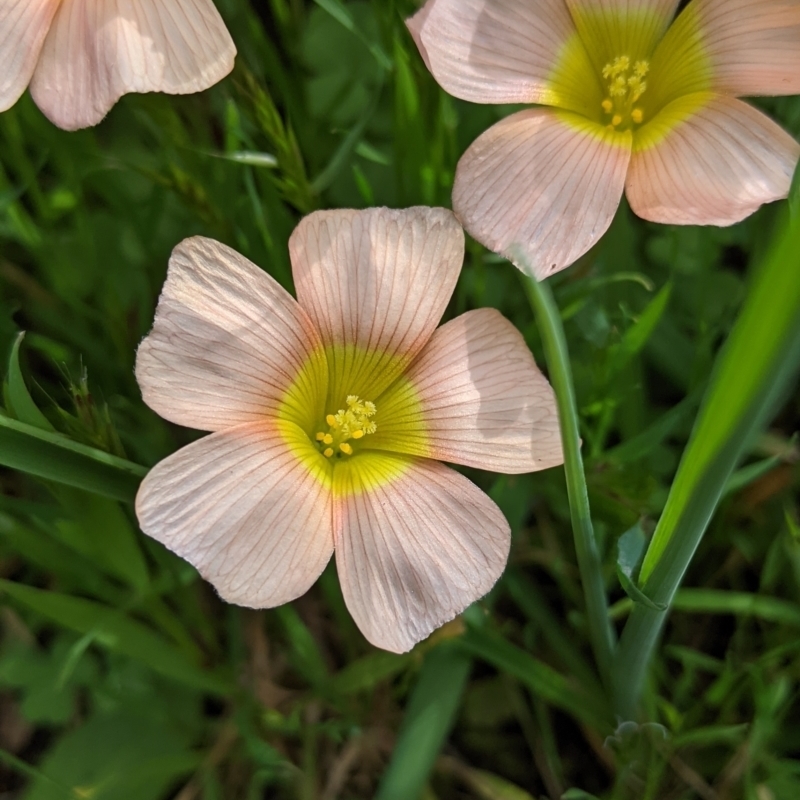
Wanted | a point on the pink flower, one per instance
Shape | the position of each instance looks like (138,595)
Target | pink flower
(81,56)
(328,414)
(630,103)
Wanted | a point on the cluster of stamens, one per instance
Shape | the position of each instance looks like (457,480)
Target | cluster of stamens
(626,85)
(353,422)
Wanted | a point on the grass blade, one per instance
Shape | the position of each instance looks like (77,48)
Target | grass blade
(112,629)
(751,377)
(429,716)
(57,458)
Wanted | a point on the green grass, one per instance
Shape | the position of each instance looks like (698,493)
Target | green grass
(123,676)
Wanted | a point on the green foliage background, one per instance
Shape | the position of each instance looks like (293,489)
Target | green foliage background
(123,677)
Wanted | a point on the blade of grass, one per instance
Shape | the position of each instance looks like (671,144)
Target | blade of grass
(751,377)
(429,716)
(18,395)
(555,348)
(542,679)
(111,628)
(57,458)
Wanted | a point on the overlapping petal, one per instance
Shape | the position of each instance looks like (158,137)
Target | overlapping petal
(23,27)
(504,51)
(98,50)
(375,283)
(476,398)
(415,550)
(245,510)
(754,47)
(716,167)
(612,28)
(738,47)
(541,187)
(226,344)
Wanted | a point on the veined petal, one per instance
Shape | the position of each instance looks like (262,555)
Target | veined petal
(541,186)
(98,50)
(614,28)
(375,284)
(478,399)
(23,27)
(227,343)
(506,51)
(738,47)
(240,506)
(709,160)
(415,550)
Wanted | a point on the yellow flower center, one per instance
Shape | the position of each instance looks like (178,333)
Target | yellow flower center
(626,85)
(353,422)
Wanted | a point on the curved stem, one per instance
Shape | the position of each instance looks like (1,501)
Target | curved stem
(551,330)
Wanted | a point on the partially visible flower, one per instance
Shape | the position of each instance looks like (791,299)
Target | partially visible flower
(81,56)
(328,414)
(634,104)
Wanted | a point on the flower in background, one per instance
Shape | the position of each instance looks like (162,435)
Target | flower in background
(330,415)
(631,103)
(81,56)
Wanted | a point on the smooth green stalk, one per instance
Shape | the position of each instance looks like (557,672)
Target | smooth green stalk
(551,330)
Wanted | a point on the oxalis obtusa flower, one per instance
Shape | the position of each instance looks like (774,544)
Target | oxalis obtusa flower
(330,415)
(632,103)
(81,56)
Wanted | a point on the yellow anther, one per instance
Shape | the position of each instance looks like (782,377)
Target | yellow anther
(618,87)
(626,84)
(352,422)
(616,67)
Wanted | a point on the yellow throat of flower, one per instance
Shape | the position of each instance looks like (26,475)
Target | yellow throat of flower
(626,85)
(351,423)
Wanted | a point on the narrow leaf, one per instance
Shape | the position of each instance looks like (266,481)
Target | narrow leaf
(751,377)
(540,678)
(57,458)
(20,399)
(630,547)
(637,336)
(112,629)
(429,716)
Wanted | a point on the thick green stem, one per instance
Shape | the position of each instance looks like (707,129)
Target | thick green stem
(551,330)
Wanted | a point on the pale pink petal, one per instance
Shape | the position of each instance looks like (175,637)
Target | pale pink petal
(23,26)
(415,25)
(413,550)
(541,187)
(739,47)
(503,51)
(482,400)
(375,283)
(250,515)
(98,50)
(227,342)
(612,28)
(714,168)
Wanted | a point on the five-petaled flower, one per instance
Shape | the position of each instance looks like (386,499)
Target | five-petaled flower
(81,56)
(330,415)
(631,103)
